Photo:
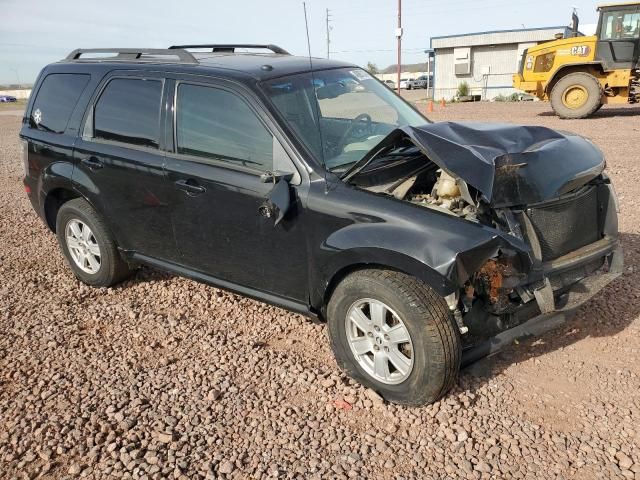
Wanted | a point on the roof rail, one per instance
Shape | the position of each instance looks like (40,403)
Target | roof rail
(232,47)
(132,55)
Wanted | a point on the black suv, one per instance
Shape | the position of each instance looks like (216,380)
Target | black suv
(308,184)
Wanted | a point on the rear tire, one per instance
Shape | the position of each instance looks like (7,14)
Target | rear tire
(577,95)
(88,246)
(431,353)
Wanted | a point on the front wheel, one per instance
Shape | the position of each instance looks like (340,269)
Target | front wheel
(394,334)
(577,95)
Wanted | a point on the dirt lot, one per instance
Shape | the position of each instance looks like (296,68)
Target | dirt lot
(162,377)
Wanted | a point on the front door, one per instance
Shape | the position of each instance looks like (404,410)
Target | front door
(619,37)
(222,146)
(119,165)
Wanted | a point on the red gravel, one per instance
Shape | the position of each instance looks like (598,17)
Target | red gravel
(166,378)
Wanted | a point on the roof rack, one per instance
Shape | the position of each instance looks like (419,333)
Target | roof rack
(232,47)
(132,55)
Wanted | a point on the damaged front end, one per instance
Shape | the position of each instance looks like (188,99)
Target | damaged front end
(544,195)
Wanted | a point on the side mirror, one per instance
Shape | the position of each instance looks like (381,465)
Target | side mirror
(278,201)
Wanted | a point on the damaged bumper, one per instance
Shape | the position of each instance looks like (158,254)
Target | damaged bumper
(554,307)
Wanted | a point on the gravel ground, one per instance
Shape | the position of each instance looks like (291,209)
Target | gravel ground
(162,377)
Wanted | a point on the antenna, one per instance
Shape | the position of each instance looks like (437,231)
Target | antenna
(316,106)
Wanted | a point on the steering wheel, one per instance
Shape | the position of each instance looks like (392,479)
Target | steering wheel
(362,122)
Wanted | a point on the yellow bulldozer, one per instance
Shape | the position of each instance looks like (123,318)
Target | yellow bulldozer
(579,74)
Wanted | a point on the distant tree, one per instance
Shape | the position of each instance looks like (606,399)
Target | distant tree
(372,68)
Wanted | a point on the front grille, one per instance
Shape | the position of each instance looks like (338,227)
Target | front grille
(567,224)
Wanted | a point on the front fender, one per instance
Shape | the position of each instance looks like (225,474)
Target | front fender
(443,252)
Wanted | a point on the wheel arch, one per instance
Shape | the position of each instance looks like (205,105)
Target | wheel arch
(593,68)
(53,200)
(365,259)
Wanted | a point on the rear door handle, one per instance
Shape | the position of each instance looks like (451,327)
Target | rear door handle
(190,186)
(93,163)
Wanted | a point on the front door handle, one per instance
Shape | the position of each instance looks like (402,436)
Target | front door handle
(190,187)
(93,163)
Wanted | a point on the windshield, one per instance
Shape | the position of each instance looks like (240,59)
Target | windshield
(354,110)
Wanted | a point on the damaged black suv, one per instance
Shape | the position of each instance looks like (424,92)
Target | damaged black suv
(310,185)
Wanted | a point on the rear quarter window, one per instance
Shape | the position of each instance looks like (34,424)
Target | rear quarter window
(55,101)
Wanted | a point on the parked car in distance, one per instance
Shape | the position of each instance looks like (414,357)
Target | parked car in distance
(390,83)
(403,83)
(7,99)
(420,82)
(424,246)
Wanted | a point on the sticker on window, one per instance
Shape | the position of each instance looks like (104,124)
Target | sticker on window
(37,116)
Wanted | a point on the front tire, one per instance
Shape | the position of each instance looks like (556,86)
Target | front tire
(577,95)
(88,246)
(395,335)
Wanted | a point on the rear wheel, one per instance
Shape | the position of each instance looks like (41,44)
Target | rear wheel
(577,95)
(394,334)
(88,246)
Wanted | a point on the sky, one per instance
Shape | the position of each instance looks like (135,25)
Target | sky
(34,33)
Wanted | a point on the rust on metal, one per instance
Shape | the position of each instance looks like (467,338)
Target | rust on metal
(492,275)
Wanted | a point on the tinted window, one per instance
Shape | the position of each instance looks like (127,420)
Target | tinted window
(216,124)
(56,100)
(129,111)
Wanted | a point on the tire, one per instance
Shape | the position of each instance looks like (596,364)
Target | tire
(436,348)
(583,88)
(111,267)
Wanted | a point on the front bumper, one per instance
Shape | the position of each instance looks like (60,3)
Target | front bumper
(557,306)
(533,88)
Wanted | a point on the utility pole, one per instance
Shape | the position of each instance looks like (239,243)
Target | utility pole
(399,37)
(328,17)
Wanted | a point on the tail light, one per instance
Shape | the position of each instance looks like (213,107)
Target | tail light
(25,157)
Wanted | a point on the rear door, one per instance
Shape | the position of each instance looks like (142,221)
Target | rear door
(119,162)
(619,37)
(223,143)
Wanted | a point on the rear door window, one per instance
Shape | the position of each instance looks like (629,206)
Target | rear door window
(217,124)
(128,111)
(55,101)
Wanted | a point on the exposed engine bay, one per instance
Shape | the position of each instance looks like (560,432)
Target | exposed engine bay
(427,185)
(547,230)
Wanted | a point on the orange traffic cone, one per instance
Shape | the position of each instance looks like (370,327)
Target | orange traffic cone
(443,103)
(430,107)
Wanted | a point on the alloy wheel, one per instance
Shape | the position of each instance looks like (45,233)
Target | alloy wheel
(83,246)
(379,341)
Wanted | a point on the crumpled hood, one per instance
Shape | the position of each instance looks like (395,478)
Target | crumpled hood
(509,164)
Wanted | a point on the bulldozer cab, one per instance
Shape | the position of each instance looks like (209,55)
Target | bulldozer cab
(618,45)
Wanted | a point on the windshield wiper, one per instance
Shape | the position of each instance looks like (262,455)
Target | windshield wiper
(361,164)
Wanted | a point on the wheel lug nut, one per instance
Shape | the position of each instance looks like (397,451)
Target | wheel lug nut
(370,334)
(386,337)
(376,348)
(376,328)
(386,349)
